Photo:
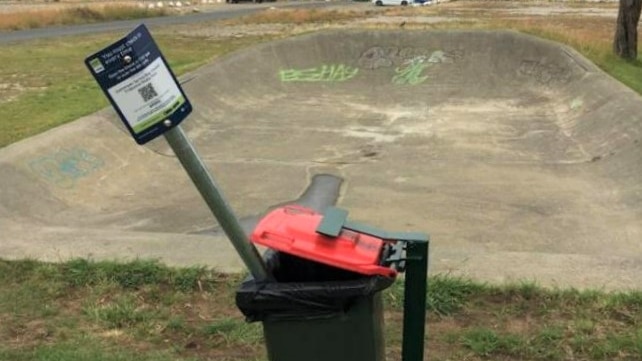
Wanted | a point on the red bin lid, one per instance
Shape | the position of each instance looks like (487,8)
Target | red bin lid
(293,230)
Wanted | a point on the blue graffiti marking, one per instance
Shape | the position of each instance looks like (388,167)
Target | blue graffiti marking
(66,166)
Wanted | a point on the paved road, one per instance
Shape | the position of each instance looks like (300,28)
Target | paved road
(222,12)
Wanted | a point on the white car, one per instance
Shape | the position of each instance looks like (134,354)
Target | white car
(392,2)
(404,2)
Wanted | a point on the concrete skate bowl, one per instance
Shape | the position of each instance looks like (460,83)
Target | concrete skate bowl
(519,157)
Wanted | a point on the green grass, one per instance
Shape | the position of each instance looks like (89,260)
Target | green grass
(446,295)
(486,342)
(55,87)
(84,349)
(233,330)
(120,312)
(82,310)
(142,310)
(629,73)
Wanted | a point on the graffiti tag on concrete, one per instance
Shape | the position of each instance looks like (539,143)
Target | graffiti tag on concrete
(544,73)
(323,73)
(408,63)
(411,73)
(385,57)
(66,166)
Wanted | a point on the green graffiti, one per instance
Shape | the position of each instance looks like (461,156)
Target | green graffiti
(411,73)
(323,73)
(577,103)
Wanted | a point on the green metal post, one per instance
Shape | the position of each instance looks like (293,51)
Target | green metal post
(414,316)
(205,184)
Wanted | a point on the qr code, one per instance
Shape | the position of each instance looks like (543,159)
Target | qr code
(147,91)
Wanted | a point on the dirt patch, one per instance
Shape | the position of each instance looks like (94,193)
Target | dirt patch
(10,91)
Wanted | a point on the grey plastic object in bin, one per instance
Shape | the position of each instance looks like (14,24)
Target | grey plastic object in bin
(315,312)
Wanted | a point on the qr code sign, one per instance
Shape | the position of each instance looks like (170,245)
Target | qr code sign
(147,92)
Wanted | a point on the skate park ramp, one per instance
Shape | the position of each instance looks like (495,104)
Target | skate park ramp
(521,158)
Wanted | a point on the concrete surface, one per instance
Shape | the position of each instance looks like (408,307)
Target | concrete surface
(519,157)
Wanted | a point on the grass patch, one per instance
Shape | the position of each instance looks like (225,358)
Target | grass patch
(84,348)
(142,310)
(46,83)
(446,295)
(74,16)
(121,312)
(485,342)
(139,310)
(232,330)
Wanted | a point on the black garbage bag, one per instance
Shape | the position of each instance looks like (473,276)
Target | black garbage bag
(304,290)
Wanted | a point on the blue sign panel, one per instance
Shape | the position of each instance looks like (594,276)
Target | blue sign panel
(138,82)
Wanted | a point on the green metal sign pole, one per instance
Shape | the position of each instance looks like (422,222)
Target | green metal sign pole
(414,315)
(205,184)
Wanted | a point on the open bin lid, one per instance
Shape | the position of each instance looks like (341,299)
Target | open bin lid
(299,231)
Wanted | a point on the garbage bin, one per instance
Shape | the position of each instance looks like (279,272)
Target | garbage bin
(316,312)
